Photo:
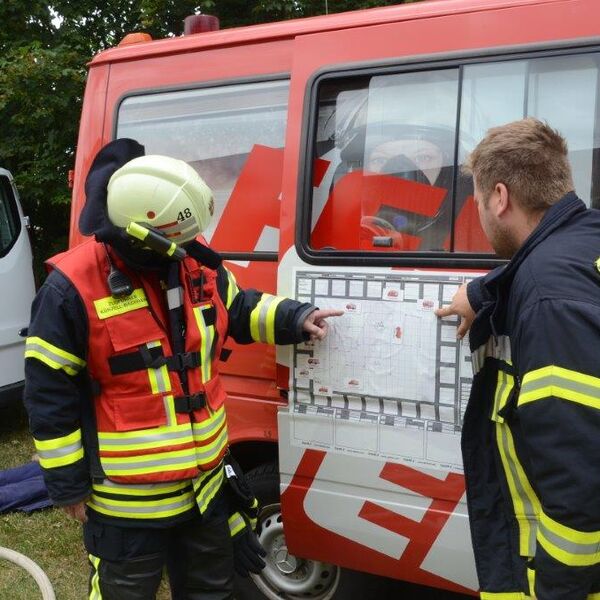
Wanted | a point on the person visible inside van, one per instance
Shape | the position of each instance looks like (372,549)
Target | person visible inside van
(421,155)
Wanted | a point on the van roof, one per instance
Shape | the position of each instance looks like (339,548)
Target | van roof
(289,29)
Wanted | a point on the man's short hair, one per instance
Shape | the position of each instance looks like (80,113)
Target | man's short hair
(529,158)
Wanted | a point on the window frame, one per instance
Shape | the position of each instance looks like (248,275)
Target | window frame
(260,256)
(13,210)
(459,60)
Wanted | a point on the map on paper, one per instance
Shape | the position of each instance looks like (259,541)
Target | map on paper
(391,379)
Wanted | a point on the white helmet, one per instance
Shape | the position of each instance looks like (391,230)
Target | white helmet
(163,192)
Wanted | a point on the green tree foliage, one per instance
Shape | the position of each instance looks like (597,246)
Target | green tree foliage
(44,47)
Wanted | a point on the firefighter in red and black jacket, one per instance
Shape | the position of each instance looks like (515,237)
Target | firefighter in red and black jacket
(122,383)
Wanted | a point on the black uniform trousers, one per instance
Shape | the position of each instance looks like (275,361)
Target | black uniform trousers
(128,562)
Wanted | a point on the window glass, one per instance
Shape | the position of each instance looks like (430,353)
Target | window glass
(386,152)
(233,136)
(8,219)
(387,162)
(560,90)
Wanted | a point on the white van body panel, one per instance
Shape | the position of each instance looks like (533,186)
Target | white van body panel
(18,289)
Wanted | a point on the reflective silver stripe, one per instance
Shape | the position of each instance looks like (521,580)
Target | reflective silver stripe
(182,436)
(170,410)
(208,488)
(493,348)
(232,288)
(126,463)
(58,361)
(567,545)
(236,524)
(149,488)
(205,427)
(204,454)
(152,508)
(59,452)
(504,387)
(262,317)
(175,297)
(163,383)
(159,378)
(207,336)
(560,382)
(529,509)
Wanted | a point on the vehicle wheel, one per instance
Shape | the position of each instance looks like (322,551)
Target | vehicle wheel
(288,577)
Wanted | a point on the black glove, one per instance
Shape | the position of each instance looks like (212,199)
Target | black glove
(241,497)
(247,552)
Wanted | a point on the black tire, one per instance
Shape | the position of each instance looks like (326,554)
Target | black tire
(351,585)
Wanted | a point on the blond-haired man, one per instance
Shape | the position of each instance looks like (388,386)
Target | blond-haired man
(531,436)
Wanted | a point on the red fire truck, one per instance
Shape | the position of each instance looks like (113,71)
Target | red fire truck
(333,146)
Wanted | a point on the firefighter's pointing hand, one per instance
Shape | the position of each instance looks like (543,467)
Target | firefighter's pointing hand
(460,306)
(316,325)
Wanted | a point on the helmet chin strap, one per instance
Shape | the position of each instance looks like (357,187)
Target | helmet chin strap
(203,254)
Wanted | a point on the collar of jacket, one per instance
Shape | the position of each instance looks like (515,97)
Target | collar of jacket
(498,283)
(558,214)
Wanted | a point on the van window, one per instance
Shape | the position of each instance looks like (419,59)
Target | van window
(560,90)
(387,157)
(217,130)
(9,218)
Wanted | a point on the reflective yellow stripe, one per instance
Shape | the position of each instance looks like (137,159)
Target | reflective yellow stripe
(149,463)
(560,383)
(594,596)
(95,593)
(525,502)
(503,596)
(262,319)
(503,389)
(531,580)
(117,436)
(236,524)
(147,509)
(53,356)
(111,307)
(144,439)
(254,316)
(569,546)
(68,459)
(59,452)
(270,319)
(139,489)
(210,452)
(206,487)
(160,381)
(169,403)
(207,336)
(232,289)
(210,426)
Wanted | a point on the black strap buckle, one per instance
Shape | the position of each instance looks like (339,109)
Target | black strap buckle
(150,360)
(185,360)
(188,404)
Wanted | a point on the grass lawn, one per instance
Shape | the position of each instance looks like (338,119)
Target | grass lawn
(48,537)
